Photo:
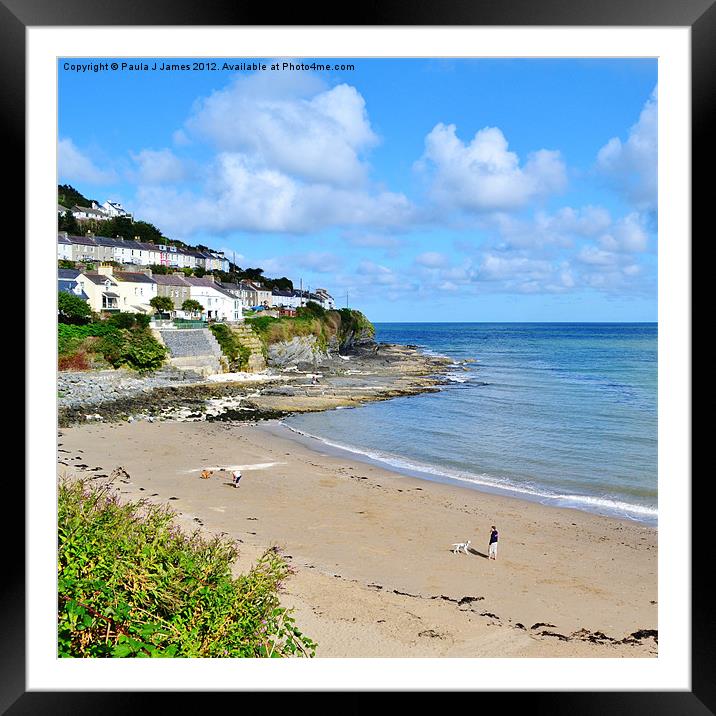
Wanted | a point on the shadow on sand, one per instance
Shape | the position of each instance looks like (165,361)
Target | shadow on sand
(471,550)
(479,554)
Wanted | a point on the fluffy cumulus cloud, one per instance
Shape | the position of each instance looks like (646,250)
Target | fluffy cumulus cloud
(628,235)
(240,193)
(74,166)
(631,165)
(158,167)
(285,157)
(560,228)
(483,175)
(317,136)
(570,249)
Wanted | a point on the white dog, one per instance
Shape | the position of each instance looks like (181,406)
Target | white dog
(461,547)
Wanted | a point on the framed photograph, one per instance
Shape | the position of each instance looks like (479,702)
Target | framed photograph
(399,311)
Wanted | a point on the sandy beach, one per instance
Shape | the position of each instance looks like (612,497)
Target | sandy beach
(374,572)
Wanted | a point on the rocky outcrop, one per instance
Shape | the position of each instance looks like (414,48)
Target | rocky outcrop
(301,351)
(99,387)
(380,373)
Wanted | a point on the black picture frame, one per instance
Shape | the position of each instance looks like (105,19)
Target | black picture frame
(699,15)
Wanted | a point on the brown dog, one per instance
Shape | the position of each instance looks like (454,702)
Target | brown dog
(206,474)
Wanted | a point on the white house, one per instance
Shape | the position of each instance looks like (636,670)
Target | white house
(217,302)
(82,213)
(64,247)
(114,209)
(324,298)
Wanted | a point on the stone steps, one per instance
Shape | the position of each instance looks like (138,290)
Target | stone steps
(247,337)
(193,349)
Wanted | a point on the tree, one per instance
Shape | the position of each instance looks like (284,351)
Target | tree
(192,306)
(254,274)
(69,196)
(67,222)
(72,309)
(147,232)
(162,304)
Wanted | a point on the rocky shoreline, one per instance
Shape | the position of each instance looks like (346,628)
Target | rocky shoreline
(370,373)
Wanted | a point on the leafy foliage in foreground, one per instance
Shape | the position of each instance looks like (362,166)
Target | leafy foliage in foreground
(121,340)
(131,584)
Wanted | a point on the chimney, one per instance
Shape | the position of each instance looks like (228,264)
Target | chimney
(147,271)
(104,270)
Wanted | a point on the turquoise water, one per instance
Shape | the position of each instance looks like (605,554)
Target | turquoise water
(564,414)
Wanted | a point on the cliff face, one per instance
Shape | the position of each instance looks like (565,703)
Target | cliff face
(300,350)
(311,338)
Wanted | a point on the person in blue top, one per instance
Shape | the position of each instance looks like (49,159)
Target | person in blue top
(492,549)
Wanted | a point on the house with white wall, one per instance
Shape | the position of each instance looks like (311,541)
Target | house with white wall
(114,209)
(217,302)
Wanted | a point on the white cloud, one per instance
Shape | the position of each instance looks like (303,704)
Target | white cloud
(74,166)
(632,165)
(300,129)
(560,228)
(628,235)
(240,194)
(158,167)
(180,139)
(379,274)
(484,176)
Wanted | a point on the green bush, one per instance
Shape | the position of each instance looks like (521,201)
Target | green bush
(135,347)
(311,309)
(131,584)
(124,319)
(142,319)
(143,352)
(70,337)
(71,309)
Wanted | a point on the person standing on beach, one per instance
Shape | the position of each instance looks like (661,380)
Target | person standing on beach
(492,548)
(235,477)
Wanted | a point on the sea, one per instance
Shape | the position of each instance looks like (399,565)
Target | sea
(563,414)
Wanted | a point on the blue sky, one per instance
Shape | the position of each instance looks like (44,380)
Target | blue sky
(415,189)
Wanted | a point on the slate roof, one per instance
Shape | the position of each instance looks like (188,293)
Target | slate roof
(210,283)
(170,280)
(97,278)
(68,274)
(131,277)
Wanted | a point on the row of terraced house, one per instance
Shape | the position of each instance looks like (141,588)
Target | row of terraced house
(131,288)
(103,248)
